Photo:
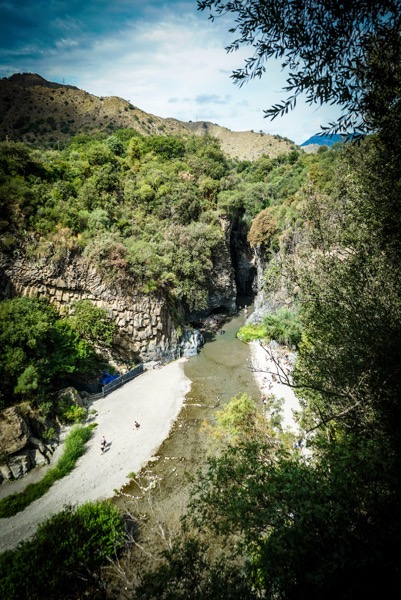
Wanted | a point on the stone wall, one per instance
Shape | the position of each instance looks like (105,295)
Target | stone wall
(144,326)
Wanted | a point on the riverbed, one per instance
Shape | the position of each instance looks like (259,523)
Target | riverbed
(220,371)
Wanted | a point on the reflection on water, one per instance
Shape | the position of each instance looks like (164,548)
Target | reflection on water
(219,372)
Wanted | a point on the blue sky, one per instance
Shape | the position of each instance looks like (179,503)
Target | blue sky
(167,58)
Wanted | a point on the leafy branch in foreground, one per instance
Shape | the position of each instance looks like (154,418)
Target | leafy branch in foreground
(327,49)
(65,555)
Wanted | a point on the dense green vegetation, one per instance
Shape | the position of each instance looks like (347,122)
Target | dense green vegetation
(65,555)
(39,349)
(327,527)
(142,209)
(74,448)
(283,326)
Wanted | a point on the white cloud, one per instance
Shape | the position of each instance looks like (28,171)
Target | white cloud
(173,67)
(68,24)
(66,43)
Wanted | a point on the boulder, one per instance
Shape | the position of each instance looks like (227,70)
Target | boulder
(43,448)
(71,395)
(20,464)
(14,431)
(5,473)
(36,443)
(38,458)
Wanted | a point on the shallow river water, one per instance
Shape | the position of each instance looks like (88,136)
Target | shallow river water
(220,371)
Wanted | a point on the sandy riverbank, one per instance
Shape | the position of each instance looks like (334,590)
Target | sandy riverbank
(154,399)
(268,374)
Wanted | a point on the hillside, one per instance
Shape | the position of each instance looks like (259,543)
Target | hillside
(35,110)
(244,145)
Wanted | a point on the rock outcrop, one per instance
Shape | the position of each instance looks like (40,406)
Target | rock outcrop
(19,450)
(14,431)
(221,287)
(145,328)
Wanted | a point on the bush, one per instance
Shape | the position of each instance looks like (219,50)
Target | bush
(74,414)
(65,553)
(249,333)
(263,228)
(284,327)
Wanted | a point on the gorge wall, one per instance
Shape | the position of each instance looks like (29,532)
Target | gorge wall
(145,324)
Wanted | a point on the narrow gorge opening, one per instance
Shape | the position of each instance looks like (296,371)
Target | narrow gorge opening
(242,259)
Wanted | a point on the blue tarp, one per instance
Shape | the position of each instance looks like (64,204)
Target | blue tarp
(107,378)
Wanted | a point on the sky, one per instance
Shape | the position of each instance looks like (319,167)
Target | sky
(165,57)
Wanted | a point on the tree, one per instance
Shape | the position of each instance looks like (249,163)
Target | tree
(93,323)
(37,348)
(65,554)
(325,46)
(348,278)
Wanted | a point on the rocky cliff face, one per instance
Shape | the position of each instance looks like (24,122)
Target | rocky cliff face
(221,287)
(19,449)
(144,326)
(268,299)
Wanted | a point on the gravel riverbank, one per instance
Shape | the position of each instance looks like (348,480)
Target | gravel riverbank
(154,399)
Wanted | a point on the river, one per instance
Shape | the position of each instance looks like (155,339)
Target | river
(220,371)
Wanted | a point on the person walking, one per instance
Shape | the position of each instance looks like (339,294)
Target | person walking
(103,444)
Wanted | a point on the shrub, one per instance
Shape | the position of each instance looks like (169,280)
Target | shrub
(284,327)
(263,228)
(249,333)
(66,551)
(74,414)
(93,323)
(49,434)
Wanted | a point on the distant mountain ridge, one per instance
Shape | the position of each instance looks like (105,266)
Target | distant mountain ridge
(32,79)
(324,140)
(35,110)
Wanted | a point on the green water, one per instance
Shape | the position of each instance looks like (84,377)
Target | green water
(220,371)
